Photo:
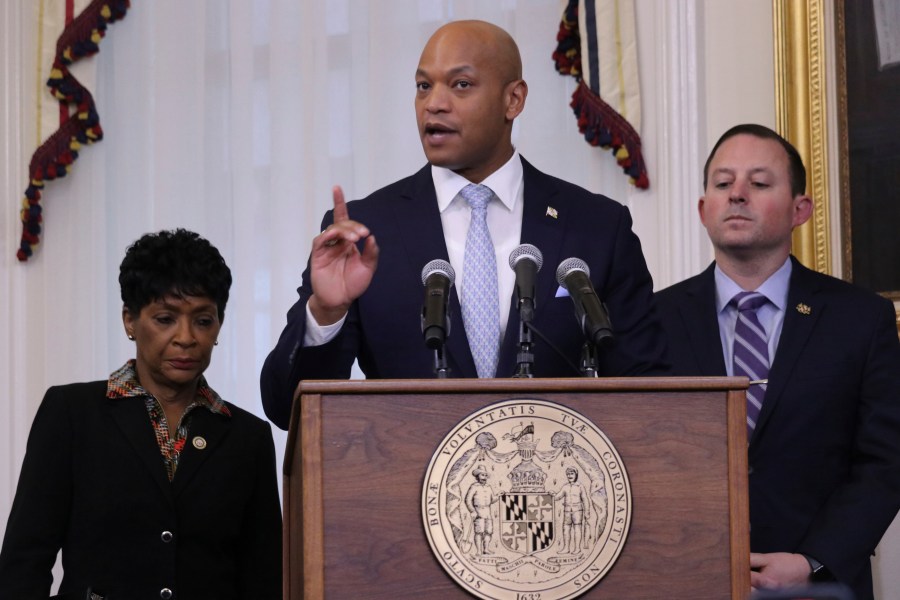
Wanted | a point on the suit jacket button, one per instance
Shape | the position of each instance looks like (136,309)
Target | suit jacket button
(750,471)
(165,594)
(166,536)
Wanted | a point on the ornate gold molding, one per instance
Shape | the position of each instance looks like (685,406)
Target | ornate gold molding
(840,57)
(801,116)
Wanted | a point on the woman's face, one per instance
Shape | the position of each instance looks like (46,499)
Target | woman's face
(174,337)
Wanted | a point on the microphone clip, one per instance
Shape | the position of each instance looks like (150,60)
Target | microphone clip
(525,354)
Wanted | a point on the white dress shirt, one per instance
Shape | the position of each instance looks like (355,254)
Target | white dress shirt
(504,217)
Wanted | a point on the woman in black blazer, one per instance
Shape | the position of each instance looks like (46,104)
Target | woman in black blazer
(150,484)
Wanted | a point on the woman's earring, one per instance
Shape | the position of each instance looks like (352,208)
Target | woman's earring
(131,337)
(216,343)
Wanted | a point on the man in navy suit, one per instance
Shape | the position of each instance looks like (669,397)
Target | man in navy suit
(824,450)
(469,90)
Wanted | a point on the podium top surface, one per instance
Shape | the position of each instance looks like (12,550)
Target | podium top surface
(619,384)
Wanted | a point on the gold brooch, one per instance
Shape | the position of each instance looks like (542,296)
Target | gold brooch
(803,309)
(199,443)
(551,212)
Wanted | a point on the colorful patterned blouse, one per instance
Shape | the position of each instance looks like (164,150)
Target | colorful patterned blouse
(124,384)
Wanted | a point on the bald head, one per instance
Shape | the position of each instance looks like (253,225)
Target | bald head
(490,41)
(469,90)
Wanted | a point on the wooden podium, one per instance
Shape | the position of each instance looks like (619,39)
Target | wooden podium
(357,453)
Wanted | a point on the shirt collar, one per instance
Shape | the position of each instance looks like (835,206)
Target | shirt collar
(504,182)
(775,288)
(123,383)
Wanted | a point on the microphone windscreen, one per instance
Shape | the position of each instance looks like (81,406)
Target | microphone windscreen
(527,252)
(441,267)
(569,265)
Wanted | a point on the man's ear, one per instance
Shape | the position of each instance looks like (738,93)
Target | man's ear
(700,205)
(516,92)
(803,209)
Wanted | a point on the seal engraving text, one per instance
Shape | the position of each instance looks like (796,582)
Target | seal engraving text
(526,499)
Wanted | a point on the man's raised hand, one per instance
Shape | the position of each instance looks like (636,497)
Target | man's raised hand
(339,272)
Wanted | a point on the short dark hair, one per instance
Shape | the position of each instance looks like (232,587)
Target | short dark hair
(176,262)
(796,170)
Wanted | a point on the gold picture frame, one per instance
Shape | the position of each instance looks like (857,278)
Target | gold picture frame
(801,102)
(801,116)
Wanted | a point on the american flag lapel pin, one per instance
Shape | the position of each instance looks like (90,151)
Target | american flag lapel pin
(551,212)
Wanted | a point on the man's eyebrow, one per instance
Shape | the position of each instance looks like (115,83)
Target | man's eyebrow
(452,72)
(730,171)
(755,170)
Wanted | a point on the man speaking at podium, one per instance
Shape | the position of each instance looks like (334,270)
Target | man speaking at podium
(471,205)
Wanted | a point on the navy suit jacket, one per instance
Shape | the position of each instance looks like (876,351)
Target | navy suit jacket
(383,329)
(94,484)
(824,457)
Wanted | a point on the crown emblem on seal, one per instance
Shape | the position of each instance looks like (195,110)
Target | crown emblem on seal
(526,498)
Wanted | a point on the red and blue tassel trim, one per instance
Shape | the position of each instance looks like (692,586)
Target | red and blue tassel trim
(54,158)
(598,122)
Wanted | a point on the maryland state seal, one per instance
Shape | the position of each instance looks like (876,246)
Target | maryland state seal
(526,499)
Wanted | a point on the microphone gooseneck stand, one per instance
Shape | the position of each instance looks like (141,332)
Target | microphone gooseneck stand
(526,260)
(525,355)
(589,360)
(441,370)
(591,349)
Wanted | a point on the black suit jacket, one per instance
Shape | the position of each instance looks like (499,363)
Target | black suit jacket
(383,328)
(825,455)
(94,484)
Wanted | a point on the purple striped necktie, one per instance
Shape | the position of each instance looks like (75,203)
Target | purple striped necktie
(751,352)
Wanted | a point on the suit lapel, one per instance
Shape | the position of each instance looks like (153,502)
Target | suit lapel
(424,242)
(417,204)
(701,324)
(543,223)
(795,331)
(205,436)
(130,415)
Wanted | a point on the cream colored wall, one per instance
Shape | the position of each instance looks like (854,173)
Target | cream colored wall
(739,70)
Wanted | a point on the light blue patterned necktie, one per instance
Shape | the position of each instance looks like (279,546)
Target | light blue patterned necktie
(480,308)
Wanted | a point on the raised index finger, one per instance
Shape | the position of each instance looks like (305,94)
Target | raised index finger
(340,207)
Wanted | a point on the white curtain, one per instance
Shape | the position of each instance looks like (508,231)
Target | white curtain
(235,118)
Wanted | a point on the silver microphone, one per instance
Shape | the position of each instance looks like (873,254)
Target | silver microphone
(437,277)
(526,260)
(574,275)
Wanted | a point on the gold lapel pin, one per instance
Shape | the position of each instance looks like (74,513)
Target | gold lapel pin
(199,443)
(803,309)
(552,212)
